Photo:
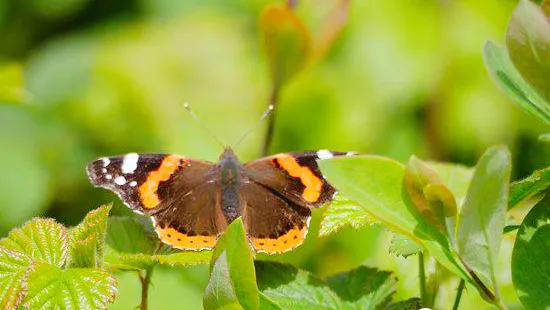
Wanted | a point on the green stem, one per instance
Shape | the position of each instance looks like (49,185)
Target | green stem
(459,293)
(422,278)
(273,100)
(145,283)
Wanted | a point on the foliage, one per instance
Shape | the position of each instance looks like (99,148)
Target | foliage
(43,265)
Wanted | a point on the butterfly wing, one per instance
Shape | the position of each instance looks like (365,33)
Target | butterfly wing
(277,199)
(181,194)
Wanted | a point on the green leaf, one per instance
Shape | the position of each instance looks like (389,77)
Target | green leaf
(13,271)
(286,42)
(376,183)
(409,304)
(528,43)
(364,288)
(343,212)
(232,282)
(128,235)
(130,246)
(43,240)
(50,287)
(403,246)
(455,177)
(534,186)
(11,84)
(508,78)
(483,214)
(428,194)
(87,239)
(545,137)
(530,265)
(293,288)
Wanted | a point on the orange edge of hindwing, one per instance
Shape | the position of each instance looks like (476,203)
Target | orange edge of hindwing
(313,184)
(289,241)
(182,241)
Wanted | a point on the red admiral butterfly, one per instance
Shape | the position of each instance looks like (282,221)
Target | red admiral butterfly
(191,202)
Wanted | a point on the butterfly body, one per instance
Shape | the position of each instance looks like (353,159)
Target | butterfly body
(191,201)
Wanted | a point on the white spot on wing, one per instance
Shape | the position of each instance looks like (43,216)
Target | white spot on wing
(105,161)
(120,180)
(129,163)
(104,170)
(324,154)
(108,176)
(133,183)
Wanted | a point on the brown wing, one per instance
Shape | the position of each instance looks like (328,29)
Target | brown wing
(273,223)
(179,193)
(294,175)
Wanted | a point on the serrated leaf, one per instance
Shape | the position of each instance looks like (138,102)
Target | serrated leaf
(507,77)
(50,287)
(294,288)
(483,215)
(232,280)
(528,43)
(88,237)
(534,185)
(364,288)
(376,183)
(12,84)
(13,269)
(403,246)
(43,240)
(286,42)
(530,267)
(343,212)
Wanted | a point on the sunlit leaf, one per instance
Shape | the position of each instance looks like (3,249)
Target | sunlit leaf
(232,282)
(286,42)
(376,183)
(12,84)
(530,266)
(41,239)
(483,215)
(545,137)
(343,212)
(50,287)
(294,288)
(508,78)
(403,246)
(364,288)
(428,194)
(528,43)
(87,239)
(455,177)
(13,269)
(534,185)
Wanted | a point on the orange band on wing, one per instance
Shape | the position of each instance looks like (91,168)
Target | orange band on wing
(286,242)
(148,190)
(313,184)
(182,241)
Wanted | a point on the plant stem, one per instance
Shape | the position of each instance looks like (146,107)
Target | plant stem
(459,293)
(145,282)
(273,100)
(422,278)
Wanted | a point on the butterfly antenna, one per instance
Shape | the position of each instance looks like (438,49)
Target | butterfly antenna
(266,113)
(197,119)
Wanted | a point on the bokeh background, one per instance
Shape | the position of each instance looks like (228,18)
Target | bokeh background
(108,77)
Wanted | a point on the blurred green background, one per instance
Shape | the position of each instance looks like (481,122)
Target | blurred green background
(108,77)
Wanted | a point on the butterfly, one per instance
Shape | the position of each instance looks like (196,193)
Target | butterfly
(191,201)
